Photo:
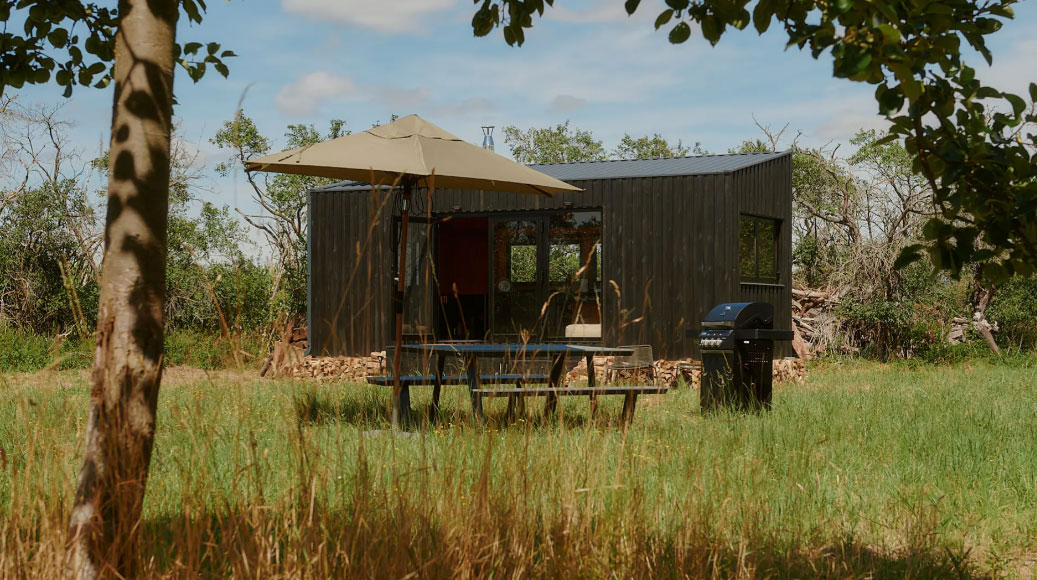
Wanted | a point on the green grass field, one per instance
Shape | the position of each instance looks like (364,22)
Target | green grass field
(864,471)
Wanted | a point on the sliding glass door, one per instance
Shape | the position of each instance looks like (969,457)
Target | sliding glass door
(517,284)
(545,275)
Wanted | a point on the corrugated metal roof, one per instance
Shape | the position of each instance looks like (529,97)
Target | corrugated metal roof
(627,168)
(699,165)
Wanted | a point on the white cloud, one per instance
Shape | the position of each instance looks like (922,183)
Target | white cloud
(567,104)
(398,98)
(600,12)
(306,94)
(466,108)
(388,16)
(1014,69)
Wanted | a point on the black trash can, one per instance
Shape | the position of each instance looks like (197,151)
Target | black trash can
(737,348)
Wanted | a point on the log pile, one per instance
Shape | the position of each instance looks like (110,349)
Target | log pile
(352,369)
(671,372)
(289,361)
(814,321)
(790,370)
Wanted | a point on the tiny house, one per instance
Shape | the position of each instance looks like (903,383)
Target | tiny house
(639,257)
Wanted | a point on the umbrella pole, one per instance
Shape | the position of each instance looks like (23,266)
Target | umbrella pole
(398,413)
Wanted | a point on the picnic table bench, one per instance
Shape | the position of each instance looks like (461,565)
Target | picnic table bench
(558,353)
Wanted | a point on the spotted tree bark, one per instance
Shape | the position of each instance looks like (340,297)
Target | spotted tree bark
(981,295)
(104,530)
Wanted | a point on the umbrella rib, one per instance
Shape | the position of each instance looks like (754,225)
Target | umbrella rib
(421,155)
(543,191)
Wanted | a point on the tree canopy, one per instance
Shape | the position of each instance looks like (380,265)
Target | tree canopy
(560,144)
(565,143)
(72,43)
(971,142)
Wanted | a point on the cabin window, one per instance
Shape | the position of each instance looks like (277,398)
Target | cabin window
(758,249)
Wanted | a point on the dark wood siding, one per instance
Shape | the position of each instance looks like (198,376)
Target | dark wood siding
(669,254)
(766,190)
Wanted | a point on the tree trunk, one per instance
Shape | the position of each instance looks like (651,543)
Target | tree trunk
(104,527)
(980,299)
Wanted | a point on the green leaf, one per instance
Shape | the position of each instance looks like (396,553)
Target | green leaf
(680,33)
(227,54)
(193,13)
(482,23)
(890,35)
(890,99)
(40,76)
(663,18)
(92,44)
(1033,92)
(994,272)
(908,256)
(987,93)
(762,14)
(192,47)
(911,88)
(677,4)
(712,29)
(1018,104)
(631,6)
(937,165)
(58,37)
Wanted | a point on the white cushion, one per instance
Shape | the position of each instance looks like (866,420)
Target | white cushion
(583,331)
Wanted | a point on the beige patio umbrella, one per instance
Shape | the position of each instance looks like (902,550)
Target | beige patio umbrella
(410,152)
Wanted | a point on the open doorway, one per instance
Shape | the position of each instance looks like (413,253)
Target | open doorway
(519,276)
(463,266)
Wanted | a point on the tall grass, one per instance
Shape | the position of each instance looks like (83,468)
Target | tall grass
(864,471)
(26,351)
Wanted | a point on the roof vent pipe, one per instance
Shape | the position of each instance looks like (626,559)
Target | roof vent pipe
(487,137)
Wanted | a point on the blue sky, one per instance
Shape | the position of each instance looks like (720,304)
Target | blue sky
(309,61)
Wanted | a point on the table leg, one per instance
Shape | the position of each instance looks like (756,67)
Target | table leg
(437,388)
(591,382)
(405,414)
(513,403)
(473,386)
(555,382)
(628,409)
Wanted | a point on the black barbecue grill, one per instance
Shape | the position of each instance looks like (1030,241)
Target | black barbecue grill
(737,347)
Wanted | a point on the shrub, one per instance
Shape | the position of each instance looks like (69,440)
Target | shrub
(210,350)
(22,350)
(1014,308)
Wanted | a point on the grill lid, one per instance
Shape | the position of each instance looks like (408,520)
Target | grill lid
(740,315)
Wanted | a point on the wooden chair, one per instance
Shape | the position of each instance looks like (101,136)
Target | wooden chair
(640,360)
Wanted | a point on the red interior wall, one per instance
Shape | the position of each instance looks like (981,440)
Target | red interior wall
(463,256)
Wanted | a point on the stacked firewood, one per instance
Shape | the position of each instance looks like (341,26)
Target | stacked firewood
(288,359)
(673,372)
(814,320)
(352,369)
(790,370)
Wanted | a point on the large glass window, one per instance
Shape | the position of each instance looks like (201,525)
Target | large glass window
(758,249)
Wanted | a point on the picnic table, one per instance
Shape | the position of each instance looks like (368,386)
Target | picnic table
(471,352)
